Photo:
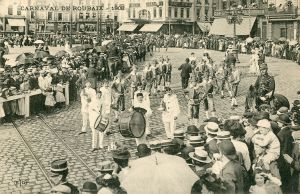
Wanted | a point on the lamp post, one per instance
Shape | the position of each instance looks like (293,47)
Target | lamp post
(234,16)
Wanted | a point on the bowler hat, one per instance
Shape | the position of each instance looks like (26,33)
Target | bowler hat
(262,115)
(121,153)
(192,130)
(89,187)
(284,119)
(172,149)
(282,110)
(143,150)
(59,165)
(296,103)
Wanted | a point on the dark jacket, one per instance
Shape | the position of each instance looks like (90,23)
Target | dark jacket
(232,174)
(186,69)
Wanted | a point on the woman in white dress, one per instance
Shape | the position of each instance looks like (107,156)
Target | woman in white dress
(254,68)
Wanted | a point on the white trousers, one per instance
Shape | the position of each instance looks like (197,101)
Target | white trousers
(85,119)
(97,136)
(170,127)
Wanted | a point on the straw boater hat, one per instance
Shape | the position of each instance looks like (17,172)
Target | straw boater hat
(223,135)
(179,133)
(212,128)
(196,141)
(200,155)
(106,167)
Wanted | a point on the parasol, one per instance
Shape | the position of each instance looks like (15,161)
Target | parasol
(77,48)
(61,53)
(158,173)
(249,40)
(106,42)
(38,42)
(25,58)
(40,54)
(282,39)
(293,42)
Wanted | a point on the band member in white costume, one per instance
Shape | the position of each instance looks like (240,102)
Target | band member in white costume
(141,103)
(95,108)
(171,110)
(86,94)
(106,101)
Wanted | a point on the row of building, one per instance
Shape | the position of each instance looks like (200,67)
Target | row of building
(262,18)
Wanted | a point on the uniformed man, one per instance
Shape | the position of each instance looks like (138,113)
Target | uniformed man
(59,172)
(193,102)
(265,87)
(170,113)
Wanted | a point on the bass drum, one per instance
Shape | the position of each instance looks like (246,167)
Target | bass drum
(132,125)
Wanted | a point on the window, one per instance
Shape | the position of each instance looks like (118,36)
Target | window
(283,32)
(160,12)
(50,16)
(176,12)
(87,16)
(129,13)
(32,14)
(59,16)
(115,18)
(170,12)
(154,12)
(80,15)
(198,13)
(181,12)
(188,12)
(10,10)
(94,15)
(133,14)
(18,12)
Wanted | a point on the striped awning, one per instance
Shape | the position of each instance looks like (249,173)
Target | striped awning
(151,27)
(128,27)
(204,27)
(16,22)
(220,26)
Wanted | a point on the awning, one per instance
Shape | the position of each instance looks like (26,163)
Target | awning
(127,27)
(221,27)
(151,27)
(204,27)
(16,22)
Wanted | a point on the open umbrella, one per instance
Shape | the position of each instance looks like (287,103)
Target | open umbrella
(77,48)
(61,53)
(40,54)
(293,42)
(106,42)
(158,173)
(38,42)
(256,39)
(282,39)
(249,39)
(25,58)
(87,46)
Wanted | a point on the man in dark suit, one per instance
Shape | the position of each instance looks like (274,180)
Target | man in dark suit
(186,69)
(232,172)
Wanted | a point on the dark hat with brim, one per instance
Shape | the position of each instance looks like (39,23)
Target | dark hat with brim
(59,165)
(154,145)
(284,119)
(121,153)
(89,187)
(143,150)
(192,130)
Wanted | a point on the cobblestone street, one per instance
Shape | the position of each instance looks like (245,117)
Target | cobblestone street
(19,166)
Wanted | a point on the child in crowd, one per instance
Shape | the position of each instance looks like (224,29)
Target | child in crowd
(265,183)
(50,101)
(59,96)
(268,141)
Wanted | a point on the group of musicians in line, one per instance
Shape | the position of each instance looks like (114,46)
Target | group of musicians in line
(110,98)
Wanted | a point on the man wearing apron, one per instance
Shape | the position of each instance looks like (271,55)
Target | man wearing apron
(142,103)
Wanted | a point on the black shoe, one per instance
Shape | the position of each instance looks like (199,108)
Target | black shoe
(109,133)
(235,105)
(222,97)
(116,120)
(94,149)
(150,136)
(81,132)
